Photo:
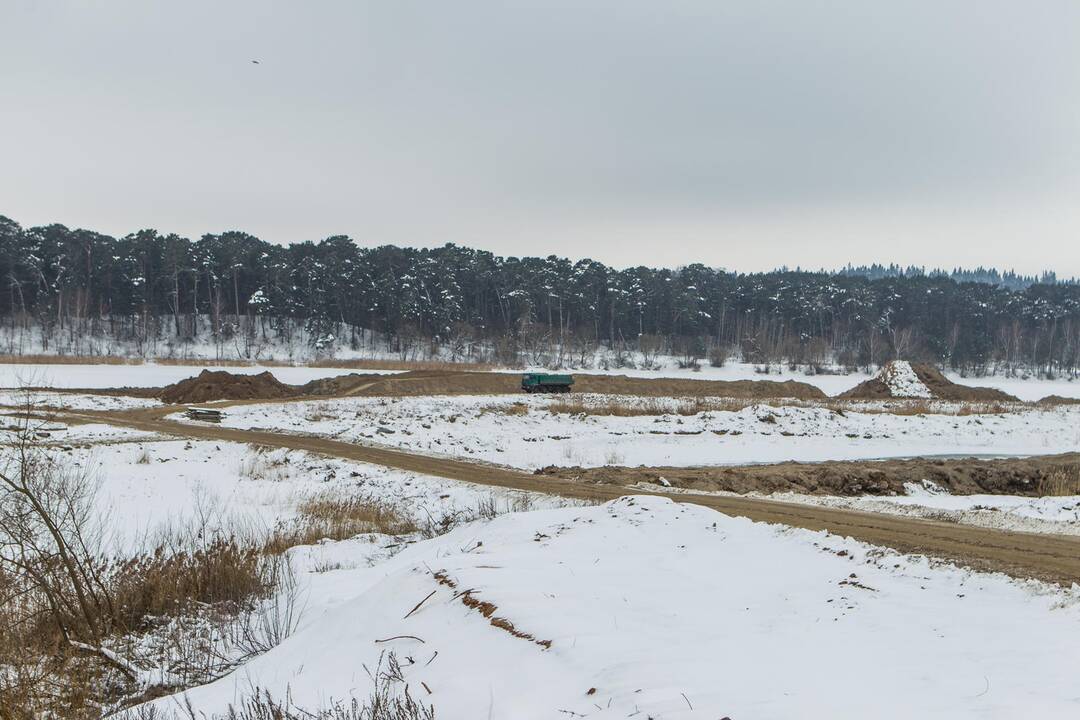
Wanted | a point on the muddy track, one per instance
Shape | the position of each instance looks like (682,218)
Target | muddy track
(1052,558)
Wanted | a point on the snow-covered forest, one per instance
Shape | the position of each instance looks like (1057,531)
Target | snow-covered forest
(232,295)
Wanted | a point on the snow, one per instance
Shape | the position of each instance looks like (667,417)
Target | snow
(655,609)
(479,428)
(74,401)
(1055,515)
(149,374)
(833,382)
(147,487)
(900,378)
(1027,389)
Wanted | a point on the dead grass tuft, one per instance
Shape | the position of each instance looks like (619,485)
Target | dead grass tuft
(626,407)
(168,582)
(518,408)
(1061,482)
(329,516)
(487,609)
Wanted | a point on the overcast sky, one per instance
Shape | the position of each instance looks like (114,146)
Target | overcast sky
(743,134)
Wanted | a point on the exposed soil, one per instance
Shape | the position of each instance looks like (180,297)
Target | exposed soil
(223,385)
(941,388)
(1055,400)
(1047,557)
(961,476)
(488,383)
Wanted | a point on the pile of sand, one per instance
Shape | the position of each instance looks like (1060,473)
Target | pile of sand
(222,385)
(900,379)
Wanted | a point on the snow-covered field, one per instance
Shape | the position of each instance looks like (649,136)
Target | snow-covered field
(531,437)
(148,375)
(73,401)
(146,486)
(1055,515)
(153,375)
(644,608)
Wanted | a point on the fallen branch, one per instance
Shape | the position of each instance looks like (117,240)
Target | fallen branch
(417,606)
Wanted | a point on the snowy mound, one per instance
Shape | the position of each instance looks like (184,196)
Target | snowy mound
(902,382)
(901,379)
(647,608)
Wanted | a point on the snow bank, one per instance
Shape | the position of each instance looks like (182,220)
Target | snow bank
(659,610)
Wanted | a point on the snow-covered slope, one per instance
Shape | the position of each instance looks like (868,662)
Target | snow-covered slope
(645,608)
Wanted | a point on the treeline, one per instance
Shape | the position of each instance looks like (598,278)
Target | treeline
(1008,279)
(160,293)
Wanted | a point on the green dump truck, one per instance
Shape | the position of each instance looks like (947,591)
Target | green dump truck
(543,383)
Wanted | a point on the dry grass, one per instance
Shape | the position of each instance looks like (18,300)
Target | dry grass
(518,408)
(1062,482)
(638,407)
(390,699)
(330,516)
(164,582)
(263,463)
(624,407)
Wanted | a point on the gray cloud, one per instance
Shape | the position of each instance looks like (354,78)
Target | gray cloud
(747,134)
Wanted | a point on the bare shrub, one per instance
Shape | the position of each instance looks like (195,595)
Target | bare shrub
(83,633)
(718,356)
(167,582)
(486,508)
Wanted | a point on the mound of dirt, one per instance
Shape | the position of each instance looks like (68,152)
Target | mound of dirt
(968,476)
(434,382)
(222,385)
(1055,400)
(901,379)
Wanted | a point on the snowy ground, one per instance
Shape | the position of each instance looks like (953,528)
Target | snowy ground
(659,610)
(152,375)
(147,375)
(481,429)
(74,401)
(1053,515)
(148,486)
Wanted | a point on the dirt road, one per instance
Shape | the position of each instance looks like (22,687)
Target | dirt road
(1046,557)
